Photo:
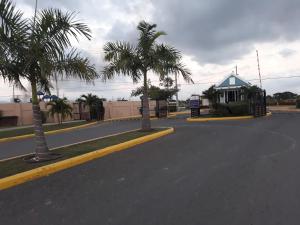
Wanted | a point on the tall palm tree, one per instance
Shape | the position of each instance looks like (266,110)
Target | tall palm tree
(60,108)
(91,101)
(137,60)
(34,49)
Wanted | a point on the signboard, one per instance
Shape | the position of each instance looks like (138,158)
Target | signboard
(195,102)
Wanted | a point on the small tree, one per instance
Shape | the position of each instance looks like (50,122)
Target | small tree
(93,102)
(211,94)
(250,92)
(137,60)
(60,108)
(156,93)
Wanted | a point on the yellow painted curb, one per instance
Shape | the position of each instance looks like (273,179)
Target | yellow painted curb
(23,177)
(219,118)
(128,118)
(47,132)
(171,116)
(180,113)
(223,118)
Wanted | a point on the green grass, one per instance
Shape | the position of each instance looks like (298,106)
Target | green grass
(18,165)
(29,130)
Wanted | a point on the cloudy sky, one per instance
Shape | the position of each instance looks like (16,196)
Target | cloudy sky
(213,35)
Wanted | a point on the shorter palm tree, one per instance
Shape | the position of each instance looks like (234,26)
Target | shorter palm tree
(211,94)
(92,101)
(60,108)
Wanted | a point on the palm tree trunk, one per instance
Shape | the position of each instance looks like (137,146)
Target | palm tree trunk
(41,145)
(146,124)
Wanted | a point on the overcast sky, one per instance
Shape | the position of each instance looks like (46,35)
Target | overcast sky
(213,35)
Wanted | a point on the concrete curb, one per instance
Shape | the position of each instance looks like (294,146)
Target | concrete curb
(23,177)
(223,118)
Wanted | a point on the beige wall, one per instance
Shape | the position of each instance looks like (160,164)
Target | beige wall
(124,109)
(112,110)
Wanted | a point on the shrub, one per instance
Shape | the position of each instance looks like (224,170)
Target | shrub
(172,108)
(298,103)
(231,109)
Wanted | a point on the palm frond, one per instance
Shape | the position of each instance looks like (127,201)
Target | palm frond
(11,20)
(123,59)
(74,65)
(148,36)
(54,28)
(166,60)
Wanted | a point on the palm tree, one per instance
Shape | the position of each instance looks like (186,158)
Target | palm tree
(137,60)
(91,101)
(61,108)
(211,94)
(34,49)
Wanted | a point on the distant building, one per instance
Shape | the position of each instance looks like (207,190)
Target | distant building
(230,89)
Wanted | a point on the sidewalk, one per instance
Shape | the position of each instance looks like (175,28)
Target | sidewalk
(283,108)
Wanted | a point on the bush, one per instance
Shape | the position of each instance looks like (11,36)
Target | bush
(231,109)
(172,108)
(298,103)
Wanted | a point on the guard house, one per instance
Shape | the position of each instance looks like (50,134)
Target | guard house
(230,89)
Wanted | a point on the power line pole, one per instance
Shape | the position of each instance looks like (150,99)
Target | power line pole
(56,85)
(258,66)
(176,86)
(34,18)
(13,93)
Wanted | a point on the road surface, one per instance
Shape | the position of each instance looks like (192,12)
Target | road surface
(228,173)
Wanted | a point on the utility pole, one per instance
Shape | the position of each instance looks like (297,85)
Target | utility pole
(56,84)
(258,66)
(13,93)
(34,18)
(236,71)
(176,86)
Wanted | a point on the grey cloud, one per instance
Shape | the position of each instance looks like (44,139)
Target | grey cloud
(287,52)
(121,31)
(218,31)
(214,31)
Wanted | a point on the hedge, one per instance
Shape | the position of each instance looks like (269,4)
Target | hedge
(232,109)
(298,103)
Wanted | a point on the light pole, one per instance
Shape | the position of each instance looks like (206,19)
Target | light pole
(176,86)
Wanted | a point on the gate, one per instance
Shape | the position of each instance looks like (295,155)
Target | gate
(258,104)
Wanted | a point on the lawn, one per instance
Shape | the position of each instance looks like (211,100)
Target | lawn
(18,165)
(29,130)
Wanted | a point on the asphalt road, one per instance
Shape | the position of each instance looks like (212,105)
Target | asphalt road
(227,173)
(25,146)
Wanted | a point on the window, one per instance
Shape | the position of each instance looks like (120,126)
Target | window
(232,81)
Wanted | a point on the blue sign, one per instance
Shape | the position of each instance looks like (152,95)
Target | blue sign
(195,104)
